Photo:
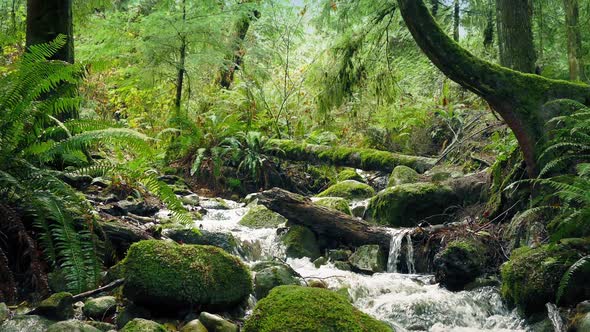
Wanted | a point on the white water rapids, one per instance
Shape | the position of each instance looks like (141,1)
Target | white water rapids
(408,302)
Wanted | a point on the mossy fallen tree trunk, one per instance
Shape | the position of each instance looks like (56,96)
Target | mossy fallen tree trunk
(365,159)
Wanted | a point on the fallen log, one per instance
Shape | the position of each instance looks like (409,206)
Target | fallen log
(365,159)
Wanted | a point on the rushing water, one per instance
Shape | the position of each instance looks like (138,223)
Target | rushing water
(395,247)
(408,302)
(555,318)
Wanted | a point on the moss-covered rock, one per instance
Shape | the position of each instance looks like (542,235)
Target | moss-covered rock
(369,258)
(273,276)
(339,255)
(260,217)
(225,241)
(407,204)
(72,325)
(402,175)
(100,307)
(28,323)
(531,277)
(129,313)
(59,306)
(194,326)
(460,263)
(301,242)
(167,275)
(349,189)
(296,308)
(583,323)
(143,325)
(335,203)
(349,174)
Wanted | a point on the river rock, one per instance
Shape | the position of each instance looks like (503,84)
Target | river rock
(408,204)
(459,264)
(142,325)
(339,255)
(134,206)
(59,306)
(273,276)
(27,323)
(72,325)
(335,203)
(103,326)
(129,313)
(349,174)
(4,312)
(296,308)
(344,266)
(194,326)
(349,189)
(369,258)
(260,217)
(225,241)
(100,307)
(583,323)
(301,242)
(162,274)
(192,199)
(216,323)
(402,175)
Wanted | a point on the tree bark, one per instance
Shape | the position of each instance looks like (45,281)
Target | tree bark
(46,19)
(519,98)
(515,34)
(456,20)
(182,63)
(574,39)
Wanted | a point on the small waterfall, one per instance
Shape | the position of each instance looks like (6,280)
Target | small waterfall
(555,318)
(395,248)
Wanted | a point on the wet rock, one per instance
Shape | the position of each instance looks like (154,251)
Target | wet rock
(214,204)
(59,306)
(335,203)
(273,276)
(194,326)
(369,258)
(359,211)
(483,282)
(317,283)
(192,199)
(460,263)
(101,182)
(130,206)
(583,307)
(407,204)
(583,323)
(165,275)
(4,312)
(349,174)
(339,255)
(72,325)
(100,307)
(28,323)
(216,323)
(142,325)
(225,241)
(402,175)
(320,261)
(104,327)
(301,242)
(344,266)
(129,313)
(296,308)
(349,189)
(260,217)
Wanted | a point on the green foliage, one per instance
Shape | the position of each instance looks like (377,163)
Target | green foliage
(572,287)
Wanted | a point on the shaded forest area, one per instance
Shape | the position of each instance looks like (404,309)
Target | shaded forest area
(294,165)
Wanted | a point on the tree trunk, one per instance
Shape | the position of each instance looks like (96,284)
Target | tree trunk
(574,39)
(182,63)
(456,20)
(515,34)
(46,19)
(519,98)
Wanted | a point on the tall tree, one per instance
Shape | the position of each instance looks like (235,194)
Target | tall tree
(521,99)
(574,39)
(46,19)
(182,61)
(515,34)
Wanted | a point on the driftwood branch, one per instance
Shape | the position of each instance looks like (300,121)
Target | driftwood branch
(99,290)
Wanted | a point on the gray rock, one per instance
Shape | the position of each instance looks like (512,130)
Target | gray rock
(100,307)
(339,255)
(225,241)
(273,276)
(402,175)
(583,307)
(320,261)
(344,266)
(192,199)
(105,327)
(301,242)
(59,306)
(72,326)
(215,323)
(194,326)
(359,211)
(28,323)
(584,323)
(369,258)
(4,312)
(260,217)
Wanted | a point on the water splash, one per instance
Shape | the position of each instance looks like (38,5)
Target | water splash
(410,254)
(395,249)
(555,317)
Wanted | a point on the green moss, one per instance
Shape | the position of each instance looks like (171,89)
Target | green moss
(406,205)
(296,308)
(402,175)
(301,242)
(260,217)
(165,274)
(143,325)
(531,277)
(57,306)
(349,189)
(349,174)
(336,203)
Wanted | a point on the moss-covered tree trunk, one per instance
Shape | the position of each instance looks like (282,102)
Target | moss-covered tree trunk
(46,19)
(519,98)
(515,34)
(574,39)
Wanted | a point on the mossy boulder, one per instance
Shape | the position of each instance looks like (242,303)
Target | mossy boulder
(225,241)
(163,274)
(335,203)
(194,326)
(402,175)
(273,276)
(369,258)
(260,217)
(59,306)
(349,174)
(143,325)
(301,242)
(408,204)
(100,307)
(72,325)
(296,308)
(459,264)
(349,189)
(531,277)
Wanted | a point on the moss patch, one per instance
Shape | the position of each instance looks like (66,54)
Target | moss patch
(402,175)
(143,325)
(349,189)
(296,308)
(335,203)
(167,275)
(301,242)
(349,174)
(260,217)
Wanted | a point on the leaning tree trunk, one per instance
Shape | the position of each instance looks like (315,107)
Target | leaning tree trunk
(574,39)
(519,98)
(46,19)
(515,34)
